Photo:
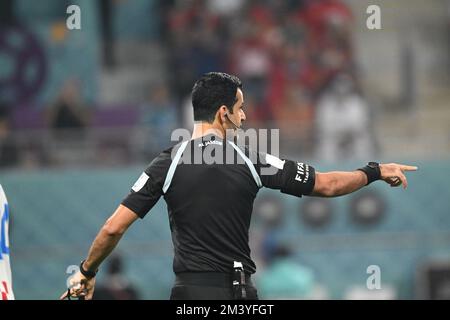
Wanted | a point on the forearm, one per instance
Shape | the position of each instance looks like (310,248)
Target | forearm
(108,237)
(339,183)
(103,245)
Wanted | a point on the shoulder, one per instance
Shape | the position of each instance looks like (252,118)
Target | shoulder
(162,161)
(166,153)
(264,158)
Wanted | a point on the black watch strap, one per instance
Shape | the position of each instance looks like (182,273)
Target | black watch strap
(372,171)
(87,273)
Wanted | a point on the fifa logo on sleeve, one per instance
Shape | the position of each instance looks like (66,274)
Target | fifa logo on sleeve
(302,172)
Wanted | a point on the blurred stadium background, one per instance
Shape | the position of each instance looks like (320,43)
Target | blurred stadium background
(83,111)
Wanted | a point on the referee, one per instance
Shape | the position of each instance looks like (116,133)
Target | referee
(210,205)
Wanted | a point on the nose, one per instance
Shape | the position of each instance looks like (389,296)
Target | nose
(243,117)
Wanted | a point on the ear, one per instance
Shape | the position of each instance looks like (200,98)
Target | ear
(222,112)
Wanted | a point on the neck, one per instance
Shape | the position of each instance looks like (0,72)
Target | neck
(204,128)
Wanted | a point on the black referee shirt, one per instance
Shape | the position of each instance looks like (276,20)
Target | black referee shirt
(210,201)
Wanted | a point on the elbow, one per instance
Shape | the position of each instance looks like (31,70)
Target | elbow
(328,191)
(325,185)
(111,230)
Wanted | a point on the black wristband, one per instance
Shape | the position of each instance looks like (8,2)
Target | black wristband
(87,273)
(372,171)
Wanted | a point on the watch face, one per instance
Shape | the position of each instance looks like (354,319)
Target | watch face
(373,164)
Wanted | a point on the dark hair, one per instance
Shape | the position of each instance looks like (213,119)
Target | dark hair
(211,91)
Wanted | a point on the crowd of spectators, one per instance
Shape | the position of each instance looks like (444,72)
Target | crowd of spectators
(274,46)
(287,54)
(290,55)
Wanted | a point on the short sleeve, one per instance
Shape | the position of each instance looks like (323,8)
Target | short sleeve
(147,189)
(288,176)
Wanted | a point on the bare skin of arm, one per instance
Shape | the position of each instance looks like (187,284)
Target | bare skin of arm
(338,183)
(106,240)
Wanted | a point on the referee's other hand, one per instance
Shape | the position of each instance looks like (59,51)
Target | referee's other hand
(80,287)
(394,174)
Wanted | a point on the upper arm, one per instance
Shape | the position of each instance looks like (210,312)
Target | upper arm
(291,177)
(148,188)
(120,220)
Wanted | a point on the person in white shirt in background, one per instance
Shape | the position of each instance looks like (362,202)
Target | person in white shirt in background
(343,122)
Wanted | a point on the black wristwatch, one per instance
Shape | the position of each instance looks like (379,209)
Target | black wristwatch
(373,165)
(87,273)
(372,171)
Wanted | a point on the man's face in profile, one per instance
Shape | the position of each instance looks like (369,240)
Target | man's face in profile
(236,118)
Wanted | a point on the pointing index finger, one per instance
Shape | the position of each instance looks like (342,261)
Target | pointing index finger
(408,168)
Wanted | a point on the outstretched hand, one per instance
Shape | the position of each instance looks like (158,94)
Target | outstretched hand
(394,174)
(80,287)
